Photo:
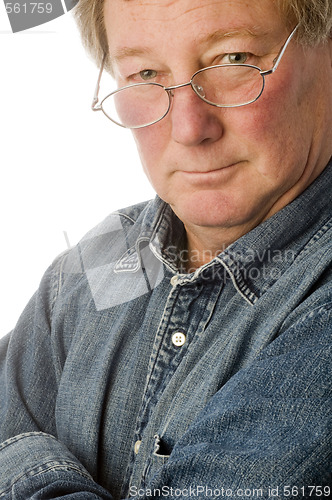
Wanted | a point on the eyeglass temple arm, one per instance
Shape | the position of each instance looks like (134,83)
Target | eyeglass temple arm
(94,105)
(281,53)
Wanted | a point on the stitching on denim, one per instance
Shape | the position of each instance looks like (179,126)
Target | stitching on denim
(19,437)
(319,311)
(315,238)
(45,467)
(239,284)
(52,465)
(125,216)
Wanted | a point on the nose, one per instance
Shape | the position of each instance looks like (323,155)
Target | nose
(194,121)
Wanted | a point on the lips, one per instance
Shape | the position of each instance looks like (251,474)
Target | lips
(202,172)
(210,171)
(208,178)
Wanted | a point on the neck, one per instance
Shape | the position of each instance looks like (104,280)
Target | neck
(205,243)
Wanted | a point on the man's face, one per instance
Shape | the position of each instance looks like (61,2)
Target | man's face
(224,168)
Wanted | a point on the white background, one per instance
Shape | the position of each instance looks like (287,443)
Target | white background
(63,167)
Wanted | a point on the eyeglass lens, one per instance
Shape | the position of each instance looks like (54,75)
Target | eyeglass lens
(224,86)
(138,105)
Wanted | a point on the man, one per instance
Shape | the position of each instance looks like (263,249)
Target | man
(183,348)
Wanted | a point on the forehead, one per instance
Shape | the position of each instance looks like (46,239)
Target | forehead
(129,22)
(169,10)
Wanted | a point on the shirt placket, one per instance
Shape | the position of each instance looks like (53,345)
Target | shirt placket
(188,310)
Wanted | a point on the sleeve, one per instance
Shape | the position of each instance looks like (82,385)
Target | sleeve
(33,464)
(36,465)
(267,432)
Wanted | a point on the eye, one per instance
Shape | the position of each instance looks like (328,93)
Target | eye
(148,74)
(237,57)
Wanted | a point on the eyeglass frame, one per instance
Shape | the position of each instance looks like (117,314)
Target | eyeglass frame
(95,106)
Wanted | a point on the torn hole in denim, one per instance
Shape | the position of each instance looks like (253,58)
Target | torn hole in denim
(160,448)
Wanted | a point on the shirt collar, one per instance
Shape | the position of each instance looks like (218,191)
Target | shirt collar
(257,259)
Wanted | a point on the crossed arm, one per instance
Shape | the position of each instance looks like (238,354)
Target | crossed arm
(246,438)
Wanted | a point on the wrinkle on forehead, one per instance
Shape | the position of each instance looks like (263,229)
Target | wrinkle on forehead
(174,10)
(169,9)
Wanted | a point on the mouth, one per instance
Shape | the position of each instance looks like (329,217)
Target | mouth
(208,176)
(211,170)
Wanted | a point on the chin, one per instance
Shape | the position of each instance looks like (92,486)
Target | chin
(212,209)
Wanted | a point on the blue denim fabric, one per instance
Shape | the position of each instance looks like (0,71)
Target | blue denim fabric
(97,401)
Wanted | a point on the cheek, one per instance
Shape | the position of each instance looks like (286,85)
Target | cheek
(274,124)
(151,143)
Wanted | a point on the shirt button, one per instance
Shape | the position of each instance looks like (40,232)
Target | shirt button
(174,280)
(137,446)
(178,339)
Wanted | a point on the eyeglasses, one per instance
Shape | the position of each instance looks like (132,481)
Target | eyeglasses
(223,86)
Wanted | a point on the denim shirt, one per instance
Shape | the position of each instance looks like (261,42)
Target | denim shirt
(127,377)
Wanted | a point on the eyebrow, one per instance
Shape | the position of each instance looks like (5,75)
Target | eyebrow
(125,52)
(216,36)
(221,34)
